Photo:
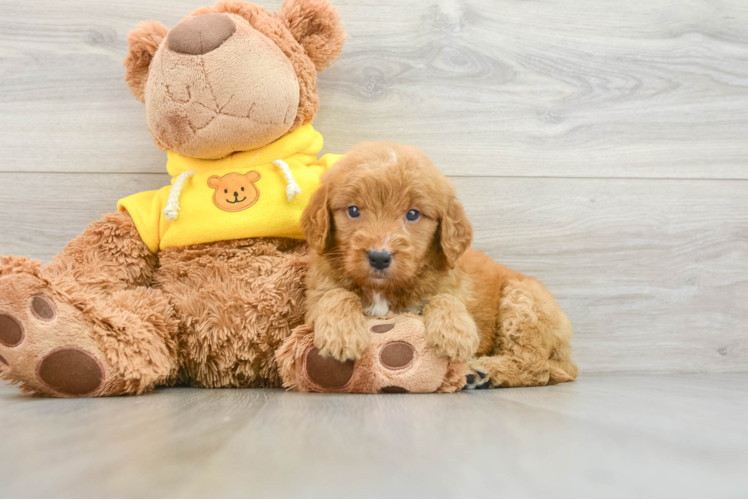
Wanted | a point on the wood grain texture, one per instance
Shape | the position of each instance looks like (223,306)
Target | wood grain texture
(576,88)
(602,436)
(652,273)
(41,212)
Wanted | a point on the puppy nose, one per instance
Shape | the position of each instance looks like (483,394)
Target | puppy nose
(379,259)
(200,34)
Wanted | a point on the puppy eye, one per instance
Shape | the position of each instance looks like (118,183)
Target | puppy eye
(413,215)
(354,212)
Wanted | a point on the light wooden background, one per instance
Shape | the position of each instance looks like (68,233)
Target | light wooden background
(599,145)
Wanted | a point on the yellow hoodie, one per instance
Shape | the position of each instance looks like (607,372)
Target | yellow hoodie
(248,194)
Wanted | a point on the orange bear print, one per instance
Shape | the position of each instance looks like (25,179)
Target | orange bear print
(235,192)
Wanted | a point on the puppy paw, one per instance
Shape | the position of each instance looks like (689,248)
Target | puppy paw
(451,330)
(448,344)
(477,379)
(341,339)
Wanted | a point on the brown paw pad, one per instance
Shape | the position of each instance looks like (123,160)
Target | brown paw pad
(43,308)
(382,328)
(71,371)
(397,355)
(328,373)
(11,331)
(394,389)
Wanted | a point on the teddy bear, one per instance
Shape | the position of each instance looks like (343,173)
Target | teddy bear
(200,283)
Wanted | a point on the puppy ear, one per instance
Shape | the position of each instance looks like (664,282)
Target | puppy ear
(144,42)
(315,24)
(315,221)
(455,232)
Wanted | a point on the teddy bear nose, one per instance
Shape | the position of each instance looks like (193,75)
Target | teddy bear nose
(200,34)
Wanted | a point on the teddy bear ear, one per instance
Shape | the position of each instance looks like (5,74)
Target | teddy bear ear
(143,42)
(316,25)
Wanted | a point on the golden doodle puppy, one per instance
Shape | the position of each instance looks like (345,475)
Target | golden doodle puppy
(388,234)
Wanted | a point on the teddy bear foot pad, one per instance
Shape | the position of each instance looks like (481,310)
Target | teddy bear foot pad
(331,374)
(36,347)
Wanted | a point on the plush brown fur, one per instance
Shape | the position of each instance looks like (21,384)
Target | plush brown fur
(471,305)
(115,318)
(209,316)
(143,41)
(236,302)
(316,26)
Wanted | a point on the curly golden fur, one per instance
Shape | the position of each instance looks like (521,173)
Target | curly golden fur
(473,307)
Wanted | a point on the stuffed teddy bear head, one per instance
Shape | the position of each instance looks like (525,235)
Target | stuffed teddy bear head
(232,76)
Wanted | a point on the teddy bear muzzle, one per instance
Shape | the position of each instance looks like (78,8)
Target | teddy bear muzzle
(200,34)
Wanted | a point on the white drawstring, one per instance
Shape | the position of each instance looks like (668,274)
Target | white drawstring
(171,212)
(292,189)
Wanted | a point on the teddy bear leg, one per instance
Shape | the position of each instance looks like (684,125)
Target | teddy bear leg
(238,301)
(533,343)
(86,324)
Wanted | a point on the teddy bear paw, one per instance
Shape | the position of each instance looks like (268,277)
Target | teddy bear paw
(383,368)
(396,360)
(43,343)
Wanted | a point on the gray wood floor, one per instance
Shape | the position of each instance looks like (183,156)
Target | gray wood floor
(600,146)
(605,435)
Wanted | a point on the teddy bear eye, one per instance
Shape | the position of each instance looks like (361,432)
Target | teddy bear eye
(242,189)
(225,190)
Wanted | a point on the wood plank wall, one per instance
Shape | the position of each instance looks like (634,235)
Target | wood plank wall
(600,146)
